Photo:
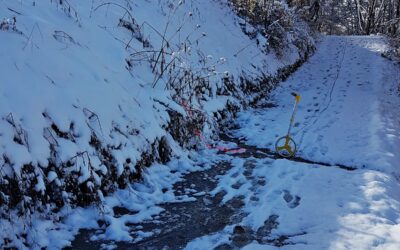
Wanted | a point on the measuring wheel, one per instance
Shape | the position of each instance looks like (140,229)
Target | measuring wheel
(285,147)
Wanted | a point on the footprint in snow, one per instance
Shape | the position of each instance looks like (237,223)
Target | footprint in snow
(297,176)
(292,201)
(282,175)
(312,152)
(323,149)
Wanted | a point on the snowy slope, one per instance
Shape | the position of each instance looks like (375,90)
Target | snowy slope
(348,115)
(65,78)
(86,101)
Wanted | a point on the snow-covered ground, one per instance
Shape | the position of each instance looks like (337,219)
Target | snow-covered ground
(348,114)
(83,103)
(73,70)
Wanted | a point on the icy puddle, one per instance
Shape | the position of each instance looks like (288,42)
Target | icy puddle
(199,213)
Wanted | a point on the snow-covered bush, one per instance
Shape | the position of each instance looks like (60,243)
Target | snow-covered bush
(277,27)
(9,24)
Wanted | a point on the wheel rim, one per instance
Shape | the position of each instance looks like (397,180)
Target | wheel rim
(284,149)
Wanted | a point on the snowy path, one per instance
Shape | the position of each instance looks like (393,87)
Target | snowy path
(348,117)
(179,222)
(348,112)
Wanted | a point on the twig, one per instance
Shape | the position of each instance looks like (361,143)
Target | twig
(90,114)
(31,36)
(116,4)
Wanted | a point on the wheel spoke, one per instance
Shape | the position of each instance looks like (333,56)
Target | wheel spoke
(289,150)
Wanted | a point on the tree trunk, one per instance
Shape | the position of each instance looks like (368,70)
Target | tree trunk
(359,16)
(370,17)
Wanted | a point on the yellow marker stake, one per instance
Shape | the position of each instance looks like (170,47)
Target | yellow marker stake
(285,145)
